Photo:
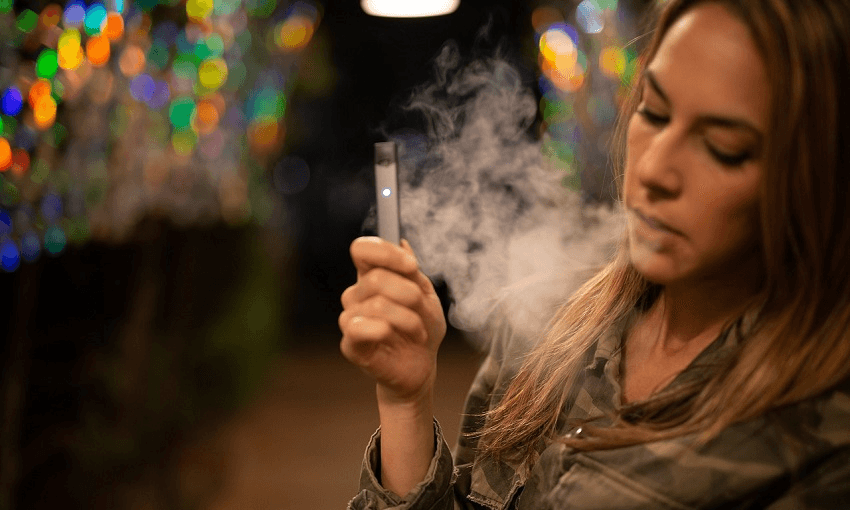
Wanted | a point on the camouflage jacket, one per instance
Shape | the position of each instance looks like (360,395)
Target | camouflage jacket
(798,457)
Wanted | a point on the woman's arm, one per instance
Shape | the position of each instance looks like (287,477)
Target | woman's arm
(392,325)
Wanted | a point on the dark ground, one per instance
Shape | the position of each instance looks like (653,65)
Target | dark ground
(299,444)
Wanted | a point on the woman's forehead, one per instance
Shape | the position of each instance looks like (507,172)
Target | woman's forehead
(708,60)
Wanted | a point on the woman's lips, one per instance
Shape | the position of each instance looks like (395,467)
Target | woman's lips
(654,223)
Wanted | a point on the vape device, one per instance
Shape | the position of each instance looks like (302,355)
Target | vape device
(386,188)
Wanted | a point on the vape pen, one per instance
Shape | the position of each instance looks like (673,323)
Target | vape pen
(386,187)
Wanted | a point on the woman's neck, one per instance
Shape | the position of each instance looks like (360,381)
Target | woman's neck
(681,322)
(697,311)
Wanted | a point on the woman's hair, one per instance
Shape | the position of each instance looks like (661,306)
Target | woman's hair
(798,344)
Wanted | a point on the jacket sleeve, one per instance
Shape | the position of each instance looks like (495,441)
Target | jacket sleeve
(447,482)
(434,492)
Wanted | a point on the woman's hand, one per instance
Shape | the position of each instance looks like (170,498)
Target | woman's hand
(392,321)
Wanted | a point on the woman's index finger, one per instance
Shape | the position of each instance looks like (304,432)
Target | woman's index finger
(371,252)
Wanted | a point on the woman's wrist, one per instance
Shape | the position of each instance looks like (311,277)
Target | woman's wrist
(407,440)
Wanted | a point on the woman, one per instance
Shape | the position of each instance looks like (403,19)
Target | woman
(708,365)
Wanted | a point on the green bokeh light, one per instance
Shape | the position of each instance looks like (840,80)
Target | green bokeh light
(27,20)
(181,111)
(215,43)
(146,5)
(267,103)
(158,55)
(54,240)
(185,67)
(47,64)
(260,8)
(10,126)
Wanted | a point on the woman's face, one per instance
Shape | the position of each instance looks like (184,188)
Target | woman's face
(694,153)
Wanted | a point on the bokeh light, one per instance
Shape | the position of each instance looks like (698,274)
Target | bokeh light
(30,246)
(54,240)
(95,19)
(74,15)
(212,73)
(294,33)
(11,102)
(70,51)
(206,117)
(47,64)
(5,224)
(27,21)
(544,16)
(577,117)
(44,112)
(132,61)
(199,9)
(104,95)
(114,28)
(142,87)
(560,59)
(20,162)
(38,90)
(97,50)
(51,207)
(181,111)
(612,62)
(50,16)
(10,258)
(589,17)
(5,155)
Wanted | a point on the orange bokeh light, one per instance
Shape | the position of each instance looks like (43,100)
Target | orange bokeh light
(262,134)
(206,117)
(5,155)
(97,50)
(544,16)
(50,16)
(114,28)
(20,162)
(38,90)
(132,61)
(44,112)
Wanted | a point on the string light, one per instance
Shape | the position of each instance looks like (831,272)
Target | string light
(569,107)
(106,95)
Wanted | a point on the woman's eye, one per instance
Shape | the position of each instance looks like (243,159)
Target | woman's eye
(726,159)
(652,117)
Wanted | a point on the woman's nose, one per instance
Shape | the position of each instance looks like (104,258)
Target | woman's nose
(660,169)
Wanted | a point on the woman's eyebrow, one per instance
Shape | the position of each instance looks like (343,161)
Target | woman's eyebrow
(709,120)
(650,78)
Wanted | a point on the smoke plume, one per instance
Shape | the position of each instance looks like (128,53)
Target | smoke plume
(482,207)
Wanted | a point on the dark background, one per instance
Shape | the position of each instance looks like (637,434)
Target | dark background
(379,62)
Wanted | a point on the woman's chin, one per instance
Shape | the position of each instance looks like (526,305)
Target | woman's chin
(654,266)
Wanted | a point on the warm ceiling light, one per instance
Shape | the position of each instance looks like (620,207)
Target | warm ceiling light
(409,8)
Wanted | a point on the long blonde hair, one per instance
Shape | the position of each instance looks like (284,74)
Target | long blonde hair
(798,345)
